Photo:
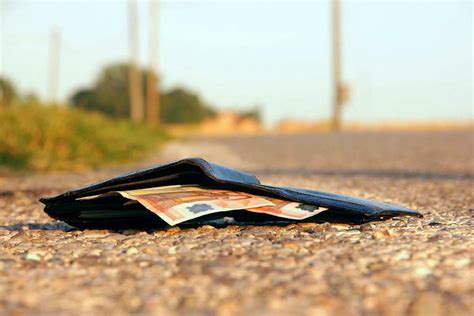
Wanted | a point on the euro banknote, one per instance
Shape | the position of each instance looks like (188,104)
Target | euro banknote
(288,209)
(176,204)
(180,203)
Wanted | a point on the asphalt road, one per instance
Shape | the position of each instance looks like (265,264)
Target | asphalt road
(400,266)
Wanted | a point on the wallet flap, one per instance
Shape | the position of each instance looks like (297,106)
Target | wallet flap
(196,166)
(366,207)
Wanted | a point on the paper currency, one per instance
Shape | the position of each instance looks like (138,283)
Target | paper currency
(287,209)
(177,204)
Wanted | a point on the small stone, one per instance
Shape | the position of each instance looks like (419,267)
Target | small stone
(94,233)
(172,230)
(143,264)
(421,272)
(132,251)
(340,227)
(207,227)
(290,245)
(381,234)
(31,256)
(96,252)
(308,225)
(462,262)
(149,250)
(172,250)
(352,232)
(402,255)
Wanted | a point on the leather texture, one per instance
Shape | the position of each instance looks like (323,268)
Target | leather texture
(197,170)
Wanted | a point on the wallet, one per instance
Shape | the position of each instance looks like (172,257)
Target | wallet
(112,212)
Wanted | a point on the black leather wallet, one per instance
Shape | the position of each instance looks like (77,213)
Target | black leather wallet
(113,212)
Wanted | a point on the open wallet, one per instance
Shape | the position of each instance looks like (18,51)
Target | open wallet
(193,192)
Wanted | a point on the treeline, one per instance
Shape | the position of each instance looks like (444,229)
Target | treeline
(93,129)
(110,95)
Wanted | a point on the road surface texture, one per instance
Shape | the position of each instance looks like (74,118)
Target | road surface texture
(401,266)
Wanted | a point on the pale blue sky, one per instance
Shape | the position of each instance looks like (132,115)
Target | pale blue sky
(403,59)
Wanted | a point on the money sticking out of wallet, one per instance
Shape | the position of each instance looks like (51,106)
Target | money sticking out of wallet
(193,192)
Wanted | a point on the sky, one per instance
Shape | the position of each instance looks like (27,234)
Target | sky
(403,60)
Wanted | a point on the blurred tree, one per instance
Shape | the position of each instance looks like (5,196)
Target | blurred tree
(8,93)
(111,92)
(181,106)
(110,95)
(86,99)
(254,113)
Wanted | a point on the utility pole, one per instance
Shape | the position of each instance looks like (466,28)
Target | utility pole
(53,75)
(134,75)
(153,91)
(336,67)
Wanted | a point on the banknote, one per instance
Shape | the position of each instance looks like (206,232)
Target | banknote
(179,203)
(176,204)
(288,209)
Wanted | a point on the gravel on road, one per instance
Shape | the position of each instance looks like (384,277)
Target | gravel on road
(401,266)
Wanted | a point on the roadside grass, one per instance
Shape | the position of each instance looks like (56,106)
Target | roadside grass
(36,137)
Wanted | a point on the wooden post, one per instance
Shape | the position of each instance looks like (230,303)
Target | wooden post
(336,66)
(53,75)
(153,91)
(135,77)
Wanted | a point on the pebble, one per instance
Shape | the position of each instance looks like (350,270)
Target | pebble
(132,251)
(382,234)
(402,255)
(422,272)
(90,233)
(31,256)
(96,252)
(291,245)
(143,264)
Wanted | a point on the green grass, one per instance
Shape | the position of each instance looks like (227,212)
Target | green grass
(39,137)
